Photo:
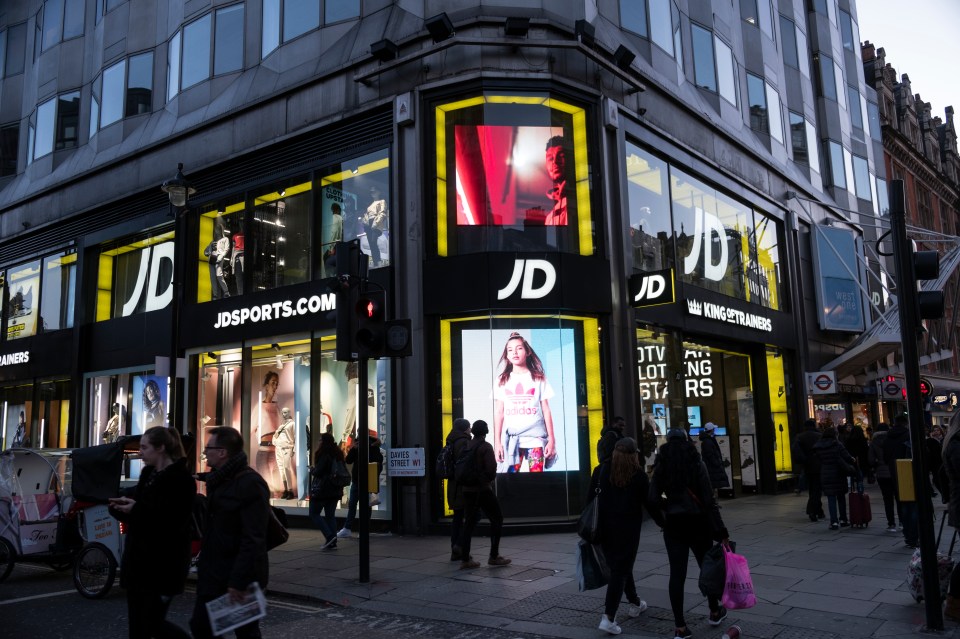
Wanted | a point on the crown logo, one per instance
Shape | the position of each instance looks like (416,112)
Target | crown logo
(695,307)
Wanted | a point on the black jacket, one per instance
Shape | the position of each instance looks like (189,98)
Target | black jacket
(459,440)
(897,446)
(713,458)
(373,455)
(621,511)
(486,464)
(608,440)
(234,549)
(680,510)
(803,451)
(875,455)
(323,469)
(951,463)
(833,476)
(156,553)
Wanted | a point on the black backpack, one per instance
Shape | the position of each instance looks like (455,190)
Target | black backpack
(466,472)
(446,464)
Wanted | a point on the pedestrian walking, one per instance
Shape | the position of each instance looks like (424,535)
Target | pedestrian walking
(324,493)
(951,464)
(609,438)
(623,491)
(156,553)
(713,458)
(836,465)
(882,472)
(858,446)
(897,446)
(458,440)
(681,502)
(804,454)
(233,553)
(478,495)
(374,455)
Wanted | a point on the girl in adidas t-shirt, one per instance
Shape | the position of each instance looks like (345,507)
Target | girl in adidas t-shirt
(522,421)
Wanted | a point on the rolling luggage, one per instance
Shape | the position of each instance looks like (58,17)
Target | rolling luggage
(944,567)
(860,514)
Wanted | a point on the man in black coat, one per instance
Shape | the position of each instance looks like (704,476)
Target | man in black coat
(897,446)
(458,439)
(803,454)
(713,458)
(609,438)
(233,554)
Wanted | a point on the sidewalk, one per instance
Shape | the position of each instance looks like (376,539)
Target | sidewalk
(810,582)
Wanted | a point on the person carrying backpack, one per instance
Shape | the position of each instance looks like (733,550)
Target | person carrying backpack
(476,471)
(457,440)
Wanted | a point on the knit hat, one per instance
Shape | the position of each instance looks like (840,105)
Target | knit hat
(461,425)
(626,445)
(676,433)
(480,428)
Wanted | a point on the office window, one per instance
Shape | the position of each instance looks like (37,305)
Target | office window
(757,103)
(704,71)
(798,138)
(271,27)
(766,17)
(773,113)
(883,199)
(68,120)
(3,51)
(828,81)
(863,113)
(661,24)
(173,67)
(30,130)
(195,62)
(300,16)
(94,115)
(228,40)
(873,116)
(726,71)
(111,107)
(748,12)
(841,86)
(838,175)
(140,85)
(861,177)
(9,147)
(52,26)
(633,16)
(279,238)
(57,288)
(648,198)
(846,31)
(758,13)
(340,10)
(73,19)
(813,148)
(16,49)
(856,114)
(848,169)
(826,8)
(113,4)
(46,114)
(788,35)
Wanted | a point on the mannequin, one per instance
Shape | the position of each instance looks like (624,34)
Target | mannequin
(236,261)
(374,223)
(223,261)
(113,426)
(284,439)
(20,436)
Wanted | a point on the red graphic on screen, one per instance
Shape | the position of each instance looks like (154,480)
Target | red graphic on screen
(504,177)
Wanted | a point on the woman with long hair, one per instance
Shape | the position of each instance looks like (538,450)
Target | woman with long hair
(324,499)
(951,466)
(623,491)
(681,502)
(156,553)
(522,421)
(153,412)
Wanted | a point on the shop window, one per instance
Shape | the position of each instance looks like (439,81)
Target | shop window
(648,196)
(512,175)
(135,276)
(535,381)
(173,67)
(222,251)
(764,281)
(9,148)
(280,235)
(354,205)
(195,61)
(35,415)
(219,393)
(59,282)
(139,85)
(122,404)
(228,40)
(23,304)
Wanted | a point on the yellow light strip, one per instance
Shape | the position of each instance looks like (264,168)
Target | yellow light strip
(288,191)
(363,169)
(104,287)
(140,244)
(441,142)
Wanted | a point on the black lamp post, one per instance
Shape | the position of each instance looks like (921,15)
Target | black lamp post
(179,190)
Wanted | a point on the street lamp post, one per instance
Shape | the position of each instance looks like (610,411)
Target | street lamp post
(179,190)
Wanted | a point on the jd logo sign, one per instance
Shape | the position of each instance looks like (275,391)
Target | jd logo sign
(706,225)
(651,289)
(153,286)
(525,271)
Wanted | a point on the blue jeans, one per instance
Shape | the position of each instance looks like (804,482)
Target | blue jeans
(323,516)
(352,505)
(832,501)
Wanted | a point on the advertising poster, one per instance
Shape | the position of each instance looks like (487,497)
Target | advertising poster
(508,175)
(522,382)
(149,402)
(724,443)
(23,306)
(273,427)
(748,461)
(15,435)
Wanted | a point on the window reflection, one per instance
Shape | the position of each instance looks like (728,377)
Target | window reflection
(68,120)
(195,62)
(140,85)
(280,235)
(228,43)
(300,16)
(649,200)
(58,285)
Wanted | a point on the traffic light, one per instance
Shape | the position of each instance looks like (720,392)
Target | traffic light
(926,266)
(351,269)
(371,327)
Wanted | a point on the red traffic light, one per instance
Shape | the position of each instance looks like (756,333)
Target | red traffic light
(369,308)
(926,388)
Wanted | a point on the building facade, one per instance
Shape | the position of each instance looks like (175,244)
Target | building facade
(658,209)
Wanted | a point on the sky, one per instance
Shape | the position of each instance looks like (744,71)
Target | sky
(918,37)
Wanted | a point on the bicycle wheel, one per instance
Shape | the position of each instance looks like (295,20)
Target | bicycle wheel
(94,571)
(7,556)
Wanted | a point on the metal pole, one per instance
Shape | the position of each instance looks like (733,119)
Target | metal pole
(363,459)
(177,283)
(907,302)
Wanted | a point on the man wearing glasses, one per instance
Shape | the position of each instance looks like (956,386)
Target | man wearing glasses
(233,553)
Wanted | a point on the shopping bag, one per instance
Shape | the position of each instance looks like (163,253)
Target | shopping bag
(713,571)
(592,570)
(588,526)
(738,587)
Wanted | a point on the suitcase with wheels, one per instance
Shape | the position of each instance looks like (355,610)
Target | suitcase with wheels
(860,514)
(944,566)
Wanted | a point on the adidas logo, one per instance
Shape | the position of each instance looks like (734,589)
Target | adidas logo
(694,307)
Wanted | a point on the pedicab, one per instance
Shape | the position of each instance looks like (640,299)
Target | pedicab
(53,510)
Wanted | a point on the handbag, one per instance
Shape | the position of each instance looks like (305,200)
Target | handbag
(277,533)
(588,526)
(738,586)
(592,569)
(713,572)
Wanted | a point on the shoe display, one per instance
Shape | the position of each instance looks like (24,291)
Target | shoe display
(498,561)
(609,626)
(682,633)
(469,564)
(344,533)
(717,616)
(747,462)
(634,610)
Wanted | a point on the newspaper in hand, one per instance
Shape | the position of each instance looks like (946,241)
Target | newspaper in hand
(226,615)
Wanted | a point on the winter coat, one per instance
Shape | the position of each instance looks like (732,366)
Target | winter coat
(486,465)
(804,453)
(858,446)
(897,446)
(323,468)
(833,477)
(608,441)
(156,553)
(621,512)
(458,440)
(875,456)
(692,507)
(951,463)
(234,549)
(373,455)
(713,458)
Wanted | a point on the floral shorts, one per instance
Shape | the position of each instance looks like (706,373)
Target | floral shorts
(534,457)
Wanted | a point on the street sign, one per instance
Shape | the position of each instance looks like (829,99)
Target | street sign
(821,382)
(406,462)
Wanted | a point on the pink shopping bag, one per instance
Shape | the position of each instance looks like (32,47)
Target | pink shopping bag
(738,588)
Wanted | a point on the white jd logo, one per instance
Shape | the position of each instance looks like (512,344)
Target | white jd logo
(705,226)
(159,293)
(651,288)
(525,269)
